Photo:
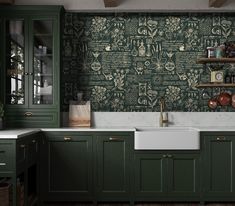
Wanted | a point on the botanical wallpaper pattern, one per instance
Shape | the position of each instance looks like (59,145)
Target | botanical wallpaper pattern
(128,62)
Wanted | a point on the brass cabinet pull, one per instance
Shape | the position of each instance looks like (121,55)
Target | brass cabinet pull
(3,164)
(220,138)
(28,114)
(22,146)
(33,141)
(30,73)
(114,139)
(164,156)
(67,138)
(26,73)
(170,156)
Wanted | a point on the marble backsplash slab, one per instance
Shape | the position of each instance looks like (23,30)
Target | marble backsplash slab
(151,119)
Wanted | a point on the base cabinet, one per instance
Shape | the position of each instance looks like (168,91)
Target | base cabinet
(86,166)
(219,166)
(113,166)
(167,176)
(69,167)
(19,167)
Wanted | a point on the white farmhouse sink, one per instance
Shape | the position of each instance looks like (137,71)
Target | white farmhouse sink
(167,138)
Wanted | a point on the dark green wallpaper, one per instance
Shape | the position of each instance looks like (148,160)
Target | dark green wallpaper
(128,62)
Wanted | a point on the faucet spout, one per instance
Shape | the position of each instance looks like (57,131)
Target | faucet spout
(163,119)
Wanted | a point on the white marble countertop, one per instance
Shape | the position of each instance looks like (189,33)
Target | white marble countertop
(17,133)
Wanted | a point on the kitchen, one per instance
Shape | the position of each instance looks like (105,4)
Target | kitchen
(141,65)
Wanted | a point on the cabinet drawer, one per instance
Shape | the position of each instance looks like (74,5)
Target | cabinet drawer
(67,136)
(6,157)
(31,119)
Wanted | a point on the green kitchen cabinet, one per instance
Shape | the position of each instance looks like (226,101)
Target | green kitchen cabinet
(218,166)
(68,170)
(20,169)
(167,176)
(30,65)
(113,166)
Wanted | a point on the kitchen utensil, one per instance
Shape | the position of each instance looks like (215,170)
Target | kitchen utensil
(224,99)
(212,103)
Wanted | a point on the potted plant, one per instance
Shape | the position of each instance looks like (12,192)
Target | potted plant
(1,115)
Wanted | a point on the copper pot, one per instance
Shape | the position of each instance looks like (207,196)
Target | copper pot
(224,99)
(212,103)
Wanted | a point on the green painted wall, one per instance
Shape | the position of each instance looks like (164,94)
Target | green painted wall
(128,62)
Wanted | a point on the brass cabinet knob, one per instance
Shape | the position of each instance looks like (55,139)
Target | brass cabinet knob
(3,164)
(114,139)
(28,114)
(221,138)
(170,156)
(67,138)
(22,146)
(33,141)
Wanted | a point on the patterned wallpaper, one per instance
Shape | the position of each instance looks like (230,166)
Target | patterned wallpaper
(128,62)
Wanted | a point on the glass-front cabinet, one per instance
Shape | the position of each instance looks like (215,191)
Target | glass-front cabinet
(31,65)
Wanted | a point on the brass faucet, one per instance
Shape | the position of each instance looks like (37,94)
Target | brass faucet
(162,120)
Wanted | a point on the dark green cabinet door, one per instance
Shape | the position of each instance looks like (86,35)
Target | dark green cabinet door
(113,166)
(183,175)
(69,168)
(219,165)
(150,175)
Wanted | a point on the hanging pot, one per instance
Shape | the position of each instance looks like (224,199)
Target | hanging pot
(224,99)
(212,103)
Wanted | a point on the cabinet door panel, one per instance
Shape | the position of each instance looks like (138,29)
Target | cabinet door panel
(70,169)
(219,166)
(183,175)
(150,174)
(113,166)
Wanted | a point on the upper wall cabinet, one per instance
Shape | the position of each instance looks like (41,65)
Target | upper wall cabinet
(31,65)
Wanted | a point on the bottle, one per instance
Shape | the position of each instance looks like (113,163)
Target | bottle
(45,83)
(142,49)
(228,78)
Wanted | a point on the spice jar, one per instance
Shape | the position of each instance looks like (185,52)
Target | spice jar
(210,52)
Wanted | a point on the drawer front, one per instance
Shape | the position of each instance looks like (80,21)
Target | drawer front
(6,157)
(32,119)
(66,136)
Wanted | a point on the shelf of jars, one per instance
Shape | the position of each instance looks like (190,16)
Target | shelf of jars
(204,60)
(204,85)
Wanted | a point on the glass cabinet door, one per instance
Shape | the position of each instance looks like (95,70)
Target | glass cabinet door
(15,62)
(42,62)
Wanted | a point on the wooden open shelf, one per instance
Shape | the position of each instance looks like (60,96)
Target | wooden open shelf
(215,85)
(215,60)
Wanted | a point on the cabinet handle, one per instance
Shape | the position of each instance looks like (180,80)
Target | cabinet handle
(26,73)
(67,138)
(3,164)
(28,114)
(114,139)
(30,73)
(33,141)
(164,156)
(220,138)
(170,156)
(22,146)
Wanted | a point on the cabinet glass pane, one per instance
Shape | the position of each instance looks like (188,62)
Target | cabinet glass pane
(43,62)
(15,64)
